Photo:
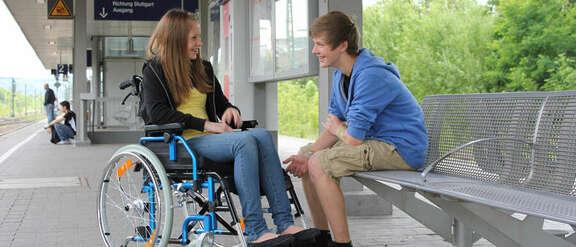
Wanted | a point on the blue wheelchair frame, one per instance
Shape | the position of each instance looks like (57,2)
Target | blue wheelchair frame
(210,222)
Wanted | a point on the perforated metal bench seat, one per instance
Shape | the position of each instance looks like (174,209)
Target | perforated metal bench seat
(510,151)
(525,201)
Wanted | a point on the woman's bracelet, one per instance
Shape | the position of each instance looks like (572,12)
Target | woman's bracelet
(311,152)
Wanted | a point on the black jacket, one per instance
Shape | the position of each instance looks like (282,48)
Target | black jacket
(49,97)
(158,103)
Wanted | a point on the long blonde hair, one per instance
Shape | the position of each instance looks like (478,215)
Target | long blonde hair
(169,43)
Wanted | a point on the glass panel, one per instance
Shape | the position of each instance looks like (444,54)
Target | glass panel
(213,36)
(291,36)
(125,47)
(262,60)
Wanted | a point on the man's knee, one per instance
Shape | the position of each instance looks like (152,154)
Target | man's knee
(315,169)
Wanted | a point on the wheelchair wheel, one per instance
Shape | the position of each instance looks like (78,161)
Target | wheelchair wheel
(135,200)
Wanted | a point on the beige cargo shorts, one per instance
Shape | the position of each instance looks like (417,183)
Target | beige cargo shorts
(344,160)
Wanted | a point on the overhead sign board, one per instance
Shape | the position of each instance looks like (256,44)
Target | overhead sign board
(62,69)
(139,10)
(60,9)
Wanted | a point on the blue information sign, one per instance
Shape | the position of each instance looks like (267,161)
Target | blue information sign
(139,10)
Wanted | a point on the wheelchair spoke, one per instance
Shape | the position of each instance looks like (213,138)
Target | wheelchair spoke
(130,211)
(131,221)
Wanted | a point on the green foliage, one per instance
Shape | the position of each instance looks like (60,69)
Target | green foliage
(22,104)
(298,108)
(563,76)
(439,46)
(532,40)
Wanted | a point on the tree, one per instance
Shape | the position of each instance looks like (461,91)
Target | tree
(533,44)
(439,46)
(298,108)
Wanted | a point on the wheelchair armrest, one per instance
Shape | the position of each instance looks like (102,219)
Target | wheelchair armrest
(178,128)
(173,128)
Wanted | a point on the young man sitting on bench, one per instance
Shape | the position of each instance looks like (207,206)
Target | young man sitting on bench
(374,123)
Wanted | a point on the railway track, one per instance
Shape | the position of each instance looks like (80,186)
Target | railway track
(8,125)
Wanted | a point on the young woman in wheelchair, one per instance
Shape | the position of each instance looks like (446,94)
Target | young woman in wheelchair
(179,87)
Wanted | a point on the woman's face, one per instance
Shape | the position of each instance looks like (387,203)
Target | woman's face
(194,41)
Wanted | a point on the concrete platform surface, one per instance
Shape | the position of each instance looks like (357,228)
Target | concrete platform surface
(65,215)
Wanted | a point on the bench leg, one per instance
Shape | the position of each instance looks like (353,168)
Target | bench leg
(406,200)
(500,228)
(463,235)
(572,237)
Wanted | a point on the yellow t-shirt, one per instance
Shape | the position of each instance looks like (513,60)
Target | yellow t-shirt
(194,105)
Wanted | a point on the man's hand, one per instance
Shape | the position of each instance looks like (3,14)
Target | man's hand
(333,124)
(217,127)
(232,114)
(298,164)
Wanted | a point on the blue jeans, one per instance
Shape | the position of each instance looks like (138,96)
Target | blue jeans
(256,166)
(49,112)
(64,131)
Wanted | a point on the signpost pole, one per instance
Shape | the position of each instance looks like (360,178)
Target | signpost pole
(25,100)
(12,113)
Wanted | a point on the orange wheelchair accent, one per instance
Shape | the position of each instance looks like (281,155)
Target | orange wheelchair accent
(123,168)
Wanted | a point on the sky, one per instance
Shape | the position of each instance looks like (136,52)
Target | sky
(18,57)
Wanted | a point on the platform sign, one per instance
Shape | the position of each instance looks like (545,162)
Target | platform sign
(139,10)
(62,69)
(60,9)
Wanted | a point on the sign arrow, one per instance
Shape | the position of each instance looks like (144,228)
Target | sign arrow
(103,13)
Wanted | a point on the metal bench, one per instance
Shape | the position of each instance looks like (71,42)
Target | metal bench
(491,156)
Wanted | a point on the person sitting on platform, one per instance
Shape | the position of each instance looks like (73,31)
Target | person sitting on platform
(374,123)
(63,128)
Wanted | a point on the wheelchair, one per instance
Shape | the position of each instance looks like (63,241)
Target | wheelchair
(143,184)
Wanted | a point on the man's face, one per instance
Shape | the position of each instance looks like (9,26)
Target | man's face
(327,55)
(45,86)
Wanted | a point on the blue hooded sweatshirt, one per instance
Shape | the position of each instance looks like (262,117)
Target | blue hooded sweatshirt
(381,108)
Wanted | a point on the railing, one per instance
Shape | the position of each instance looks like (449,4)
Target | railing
(108,112)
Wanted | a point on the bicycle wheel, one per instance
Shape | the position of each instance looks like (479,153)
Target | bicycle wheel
(135,200)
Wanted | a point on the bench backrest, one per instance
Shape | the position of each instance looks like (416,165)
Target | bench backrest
(546,119)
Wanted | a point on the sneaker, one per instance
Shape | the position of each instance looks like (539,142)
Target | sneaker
(64,142)
(307,238)
(280,241)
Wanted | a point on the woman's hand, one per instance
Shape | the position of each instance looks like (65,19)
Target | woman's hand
(298,164)
(217,127)
(232,114)
(333,124)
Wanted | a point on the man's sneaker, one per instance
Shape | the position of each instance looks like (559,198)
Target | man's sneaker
(64,142)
